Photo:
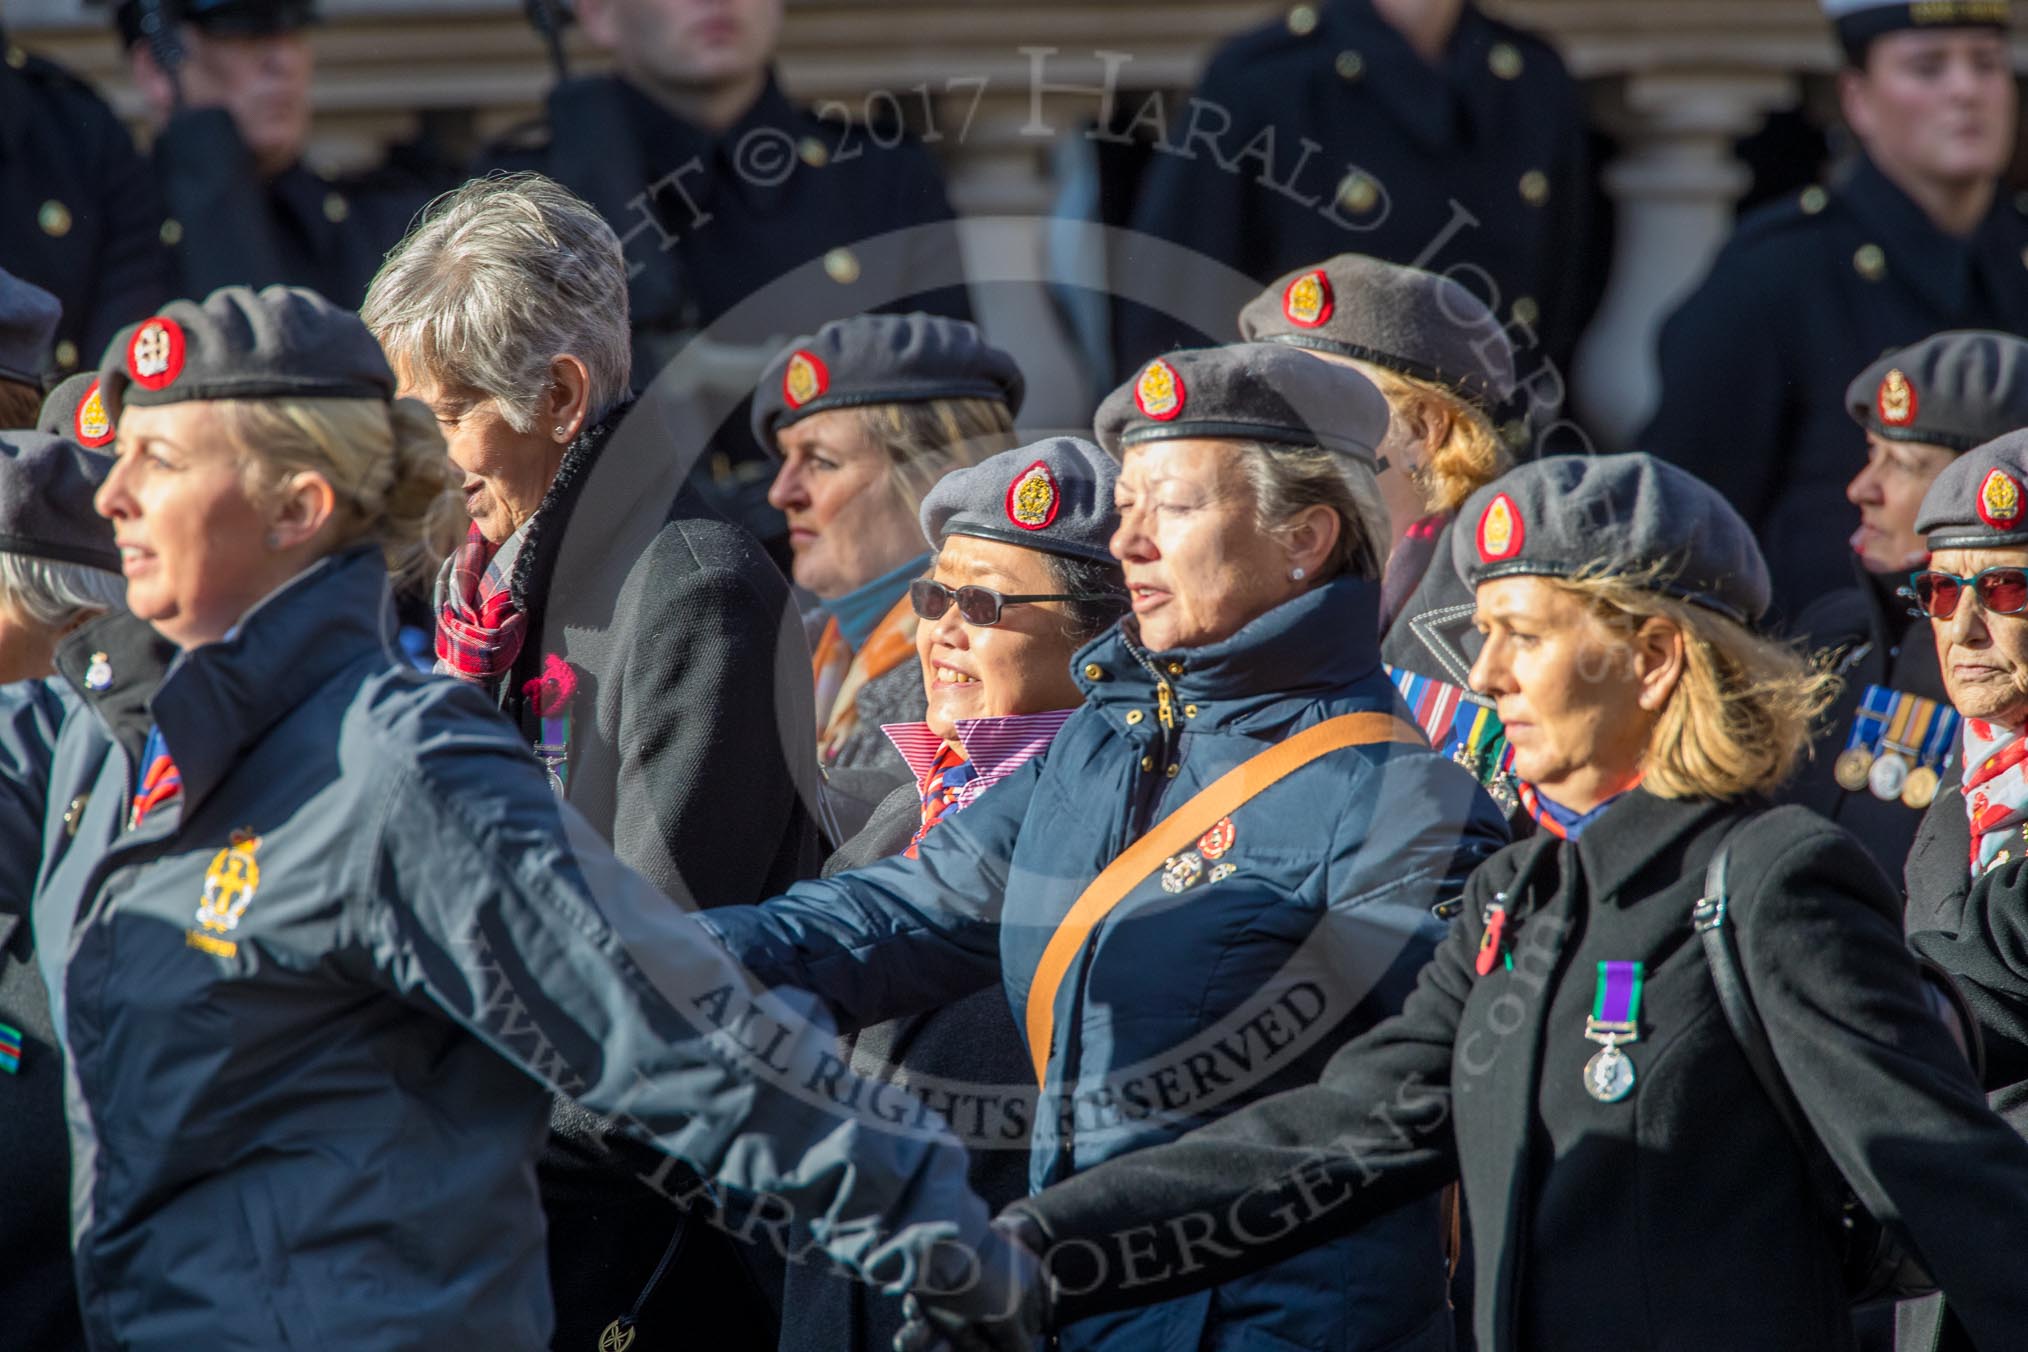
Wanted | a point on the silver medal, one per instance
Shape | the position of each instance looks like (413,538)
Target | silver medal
(1609,1075)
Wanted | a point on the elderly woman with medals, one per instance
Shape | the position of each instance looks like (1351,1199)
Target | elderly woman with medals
(1967,875)
(1234,855)
(1446,367)
(867,414)
(1883,749)
(1660,1033)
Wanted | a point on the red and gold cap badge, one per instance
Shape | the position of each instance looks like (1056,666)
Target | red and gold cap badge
(1501,530)
(805,379)
(1896,400)
(2000,500)
(1308,301)
(1159,393)
(1033,498)
(155,353)
(93,427)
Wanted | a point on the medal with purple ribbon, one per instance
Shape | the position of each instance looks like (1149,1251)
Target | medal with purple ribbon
(1614,1021)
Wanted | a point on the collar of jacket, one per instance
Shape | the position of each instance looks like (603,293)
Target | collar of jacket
(1937,266)
(1433,103)
(137,658)
(221,698)
(668,142)
(543,532)
(996,747)
(1643,844)
(1316,645)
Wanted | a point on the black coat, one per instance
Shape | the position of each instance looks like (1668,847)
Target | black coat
(971,1041)
(79,214)
(1483,160)
(693,684)
(1680,1218)
(1975,931)
(296,229)
(708,221)
(1754,364)
(1875,642)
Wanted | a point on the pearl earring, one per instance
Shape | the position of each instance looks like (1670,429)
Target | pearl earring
(1298,574)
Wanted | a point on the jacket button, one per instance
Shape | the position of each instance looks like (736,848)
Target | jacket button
(1174,770)
(66,354)
(1175,668)
(1190,711)
(171,232)
(1147,764)
(54,218)
(1350,65)
(1134,716)
(1094,672)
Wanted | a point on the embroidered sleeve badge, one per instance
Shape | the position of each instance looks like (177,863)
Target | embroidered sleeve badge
(2000,501)
(1501,531)
(1159,392)
(1308,301)
(1033,498)
(1896,400)
(94,429)
(805,378)
(155,354)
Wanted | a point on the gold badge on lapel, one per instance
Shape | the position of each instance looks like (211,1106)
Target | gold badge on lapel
(230,883)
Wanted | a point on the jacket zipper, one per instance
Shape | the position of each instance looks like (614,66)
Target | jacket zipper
(1147,794)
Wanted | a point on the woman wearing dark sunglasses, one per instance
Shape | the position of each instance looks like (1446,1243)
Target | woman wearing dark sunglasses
(1967,884)
(1001,612)
(1186,979)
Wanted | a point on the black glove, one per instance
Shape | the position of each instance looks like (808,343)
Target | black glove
(998,1302)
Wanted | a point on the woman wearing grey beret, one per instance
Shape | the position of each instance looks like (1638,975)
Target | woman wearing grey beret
(58,570)
(867,414)
(322,944)
(1666,1034)
(1446,367)
(1002,607)
(1233,856)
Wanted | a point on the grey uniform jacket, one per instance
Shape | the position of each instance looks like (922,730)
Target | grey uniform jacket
(313,1008)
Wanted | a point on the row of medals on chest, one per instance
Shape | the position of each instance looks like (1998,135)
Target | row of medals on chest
(1888,775)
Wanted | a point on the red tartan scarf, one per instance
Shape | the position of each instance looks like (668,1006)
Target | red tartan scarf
(1996,791)
(479,632)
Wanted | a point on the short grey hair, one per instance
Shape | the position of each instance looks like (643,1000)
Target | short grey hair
(497,279)
(58,594)
(1287,479)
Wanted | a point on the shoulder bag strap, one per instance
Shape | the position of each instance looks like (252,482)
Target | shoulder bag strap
(1176,832)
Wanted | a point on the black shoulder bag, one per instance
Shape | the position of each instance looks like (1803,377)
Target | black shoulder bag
(1876,1267)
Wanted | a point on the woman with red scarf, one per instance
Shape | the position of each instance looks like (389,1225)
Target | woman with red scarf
(1568,1056)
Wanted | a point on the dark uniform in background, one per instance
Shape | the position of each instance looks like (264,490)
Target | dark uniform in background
(1890,741)
(708,219)
(79,214)
(1755,362)
(1479,166)
(230,226)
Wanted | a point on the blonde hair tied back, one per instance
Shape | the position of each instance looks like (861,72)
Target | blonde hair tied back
(1464,452)
(1740,720)
(385,462)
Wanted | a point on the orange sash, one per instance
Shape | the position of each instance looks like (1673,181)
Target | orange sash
(1175,833)
(840,673)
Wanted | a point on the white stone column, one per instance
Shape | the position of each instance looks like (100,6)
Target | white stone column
(1674,188)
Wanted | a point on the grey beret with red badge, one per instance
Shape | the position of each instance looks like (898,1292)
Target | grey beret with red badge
(882,359)
(1980,501)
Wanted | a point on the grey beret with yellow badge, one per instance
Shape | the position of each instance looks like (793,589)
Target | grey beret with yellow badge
(46,489)
(280,343)
(1632,515)
(1412,322)
(1979,501)
(1055,496)
(1859,22)
(882,359)
(74,410)
(1957,390)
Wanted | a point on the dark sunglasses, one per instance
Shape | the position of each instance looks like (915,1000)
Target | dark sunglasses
(2002,591)
(976,605)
